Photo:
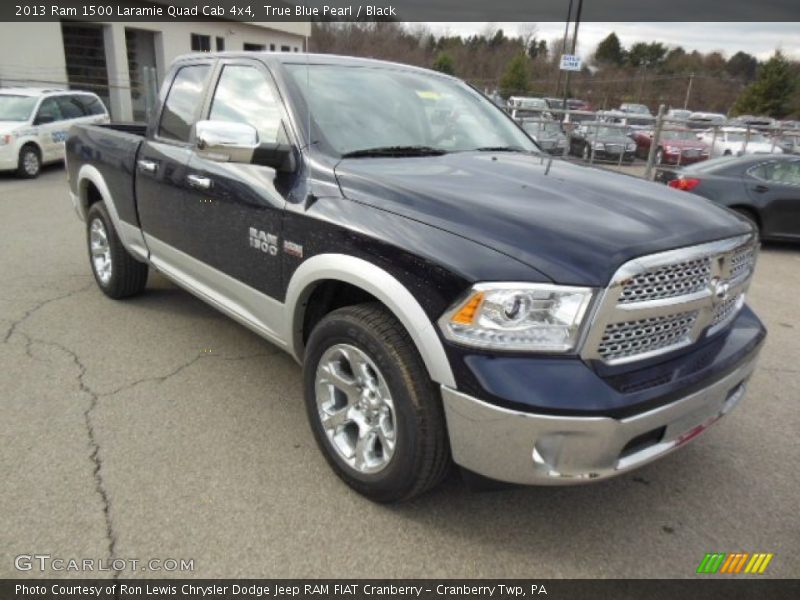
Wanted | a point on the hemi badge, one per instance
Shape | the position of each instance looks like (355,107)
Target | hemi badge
(293,249)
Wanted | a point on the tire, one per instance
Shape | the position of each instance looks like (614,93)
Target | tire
(124,276)
(29,164)
(401,450)
(727,153)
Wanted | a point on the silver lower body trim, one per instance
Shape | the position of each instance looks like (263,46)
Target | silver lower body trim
(253,309)
(527,448)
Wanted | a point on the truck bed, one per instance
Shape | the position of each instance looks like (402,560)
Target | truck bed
(111,149)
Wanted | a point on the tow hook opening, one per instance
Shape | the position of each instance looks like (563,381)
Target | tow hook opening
(642,441)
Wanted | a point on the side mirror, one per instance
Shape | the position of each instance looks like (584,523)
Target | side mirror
(225,141)
(44,119)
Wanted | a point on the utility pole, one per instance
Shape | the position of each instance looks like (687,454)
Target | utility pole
(641,84)
(574,46)
(564,45)
(688,92)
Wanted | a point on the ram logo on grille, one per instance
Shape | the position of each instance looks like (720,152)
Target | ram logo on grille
(658,303)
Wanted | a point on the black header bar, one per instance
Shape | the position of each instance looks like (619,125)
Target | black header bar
(400,10)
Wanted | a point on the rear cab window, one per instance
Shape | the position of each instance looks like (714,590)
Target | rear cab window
(183,102)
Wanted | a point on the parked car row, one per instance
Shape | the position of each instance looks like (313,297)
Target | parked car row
(34,123)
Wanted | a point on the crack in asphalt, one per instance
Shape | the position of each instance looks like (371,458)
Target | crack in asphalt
(38,306)
(94,399)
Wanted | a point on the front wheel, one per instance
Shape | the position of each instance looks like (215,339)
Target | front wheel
(29,164)
(116,272)
(375,413)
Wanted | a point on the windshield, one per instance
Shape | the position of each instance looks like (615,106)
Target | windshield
(361,108)
(668,134)
(16,108)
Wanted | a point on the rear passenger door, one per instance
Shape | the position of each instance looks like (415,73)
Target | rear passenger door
(774,186)
(227,202)
(161,164)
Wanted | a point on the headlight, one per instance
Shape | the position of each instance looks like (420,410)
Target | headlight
(630,147)
(599,146)
(518,316)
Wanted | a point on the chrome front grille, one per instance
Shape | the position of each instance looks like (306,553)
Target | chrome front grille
(668,281)
(743,261)
(632,338)
(658,303)
(725,311)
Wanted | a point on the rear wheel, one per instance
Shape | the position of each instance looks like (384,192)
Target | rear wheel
(116,272)
(30,162)
(375,413)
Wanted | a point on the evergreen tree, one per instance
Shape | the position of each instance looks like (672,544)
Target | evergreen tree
(772,91)
(610,51)
(444,63)
(515,79)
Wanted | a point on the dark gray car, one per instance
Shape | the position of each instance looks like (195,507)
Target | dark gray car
(765,189)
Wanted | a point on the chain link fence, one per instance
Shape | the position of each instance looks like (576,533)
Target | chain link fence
(654,147)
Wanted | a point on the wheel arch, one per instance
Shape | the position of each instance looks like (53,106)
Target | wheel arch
(31,142)
(92,187)
(376,283)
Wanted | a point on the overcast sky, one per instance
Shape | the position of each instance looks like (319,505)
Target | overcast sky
(759,39)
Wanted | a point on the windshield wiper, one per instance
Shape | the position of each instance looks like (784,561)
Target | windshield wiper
(395,151)
(501,149)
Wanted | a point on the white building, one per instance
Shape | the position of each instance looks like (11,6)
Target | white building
(124,63)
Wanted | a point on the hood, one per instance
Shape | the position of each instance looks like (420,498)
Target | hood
(10,126)
(574,224)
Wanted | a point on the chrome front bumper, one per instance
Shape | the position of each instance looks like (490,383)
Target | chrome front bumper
(528,448)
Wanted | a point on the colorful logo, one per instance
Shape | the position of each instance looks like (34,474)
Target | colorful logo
(735,563)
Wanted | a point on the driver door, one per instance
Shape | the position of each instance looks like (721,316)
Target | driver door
(234,211)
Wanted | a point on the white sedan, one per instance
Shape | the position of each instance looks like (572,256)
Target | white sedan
(736,141)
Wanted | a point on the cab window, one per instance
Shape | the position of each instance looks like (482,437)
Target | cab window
(784,172)
(48,112)
(185,96)
(245,95)
(91,105)
(70,108)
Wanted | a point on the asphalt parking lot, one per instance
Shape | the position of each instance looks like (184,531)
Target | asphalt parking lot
(159,428)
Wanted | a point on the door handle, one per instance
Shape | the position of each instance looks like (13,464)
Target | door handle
(199,182)
(147,166)
(761,188)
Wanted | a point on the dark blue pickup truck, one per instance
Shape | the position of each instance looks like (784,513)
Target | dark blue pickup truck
(454,293)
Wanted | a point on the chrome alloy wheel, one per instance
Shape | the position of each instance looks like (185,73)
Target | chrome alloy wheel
(101,251)
(356,408)
(30,162)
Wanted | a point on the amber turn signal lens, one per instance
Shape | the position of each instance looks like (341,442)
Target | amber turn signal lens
(466,313)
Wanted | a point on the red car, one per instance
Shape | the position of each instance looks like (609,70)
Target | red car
(675,146)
